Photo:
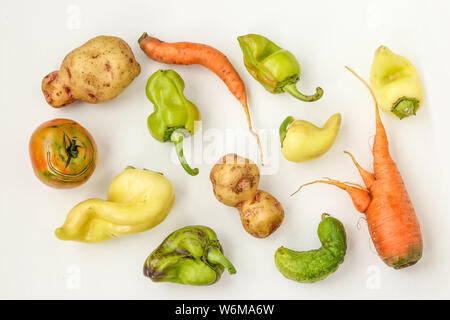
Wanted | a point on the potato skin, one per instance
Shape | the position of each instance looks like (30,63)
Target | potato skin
(95,72)
(56,93)
(234,179)
(261,215)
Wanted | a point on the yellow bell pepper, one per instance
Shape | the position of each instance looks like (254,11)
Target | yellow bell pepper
(137,201)
(395,83)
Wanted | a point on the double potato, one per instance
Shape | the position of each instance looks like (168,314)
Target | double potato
(235,183)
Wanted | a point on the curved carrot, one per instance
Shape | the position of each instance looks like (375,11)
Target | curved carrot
(186,53)
(391,219)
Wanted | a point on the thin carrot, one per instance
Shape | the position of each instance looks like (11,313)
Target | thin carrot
(186,53)
(391,219)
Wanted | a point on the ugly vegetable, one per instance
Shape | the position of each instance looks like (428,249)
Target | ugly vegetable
(63,153)
(187,53)
(303,141)
(275,68)
(137,201)
(174,115)
(235,183)
(315,265)
(396,83)
(261,214)
(390,215)
(191,255)
(234,179)
(95,72)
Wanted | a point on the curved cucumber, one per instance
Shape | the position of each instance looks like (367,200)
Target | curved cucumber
(314,265)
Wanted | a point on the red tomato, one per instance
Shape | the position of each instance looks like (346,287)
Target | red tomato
(63,153)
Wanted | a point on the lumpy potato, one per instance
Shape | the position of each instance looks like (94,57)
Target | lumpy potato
(234,179)
(261,215)
(95,72)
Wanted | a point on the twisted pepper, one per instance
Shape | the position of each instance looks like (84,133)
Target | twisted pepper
(302,141)
(137,201)
(174,115)
(275,68)
(395,83)
(191,255)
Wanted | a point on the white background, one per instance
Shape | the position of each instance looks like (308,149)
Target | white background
(325,36)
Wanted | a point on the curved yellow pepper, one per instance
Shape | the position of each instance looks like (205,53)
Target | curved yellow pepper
(395,83)
(302,141)
(137,201)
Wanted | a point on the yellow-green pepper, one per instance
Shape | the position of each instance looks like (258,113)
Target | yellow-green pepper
(395,83)
(302,141)
(137,201)
(174,115)
(275,68)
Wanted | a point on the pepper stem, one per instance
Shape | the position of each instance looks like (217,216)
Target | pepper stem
(284,127)
(216,256)
(292,90)
(177,139)
(405,107)
(324,216)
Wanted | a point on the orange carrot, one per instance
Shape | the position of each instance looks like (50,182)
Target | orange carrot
(391,219)
(186,53)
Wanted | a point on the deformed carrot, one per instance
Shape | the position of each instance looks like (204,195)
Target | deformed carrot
(187,53)
(391,219)
(360,197)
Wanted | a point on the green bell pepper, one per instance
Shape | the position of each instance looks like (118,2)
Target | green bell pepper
(174,115)
(191,255)
(276,69)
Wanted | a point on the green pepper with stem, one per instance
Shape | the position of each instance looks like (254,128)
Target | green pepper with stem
(191,255)
(275,68)
(174,115)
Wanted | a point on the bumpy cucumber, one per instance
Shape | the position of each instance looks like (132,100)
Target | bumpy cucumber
(314,265)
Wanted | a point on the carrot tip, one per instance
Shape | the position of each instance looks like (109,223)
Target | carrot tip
(144,35)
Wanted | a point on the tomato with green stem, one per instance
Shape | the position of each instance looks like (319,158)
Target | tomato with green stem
(63,153)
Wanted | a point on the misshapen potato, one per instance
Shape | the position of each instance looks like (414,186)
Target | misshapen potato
(95,72)
(235,183)
(234,179)
(261,215)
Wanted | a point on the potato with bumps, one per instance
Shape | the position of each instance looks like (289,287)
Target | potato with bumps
(234,179)
(95,72)
(235,183)
(261,215)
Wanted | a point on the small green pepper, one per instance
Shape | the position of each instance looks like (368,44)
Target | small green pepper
(275,68)
(191,255)
(314,265)
(174,115)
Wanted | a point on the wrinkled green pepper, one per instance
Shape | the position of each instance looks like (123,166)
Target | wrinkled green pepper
(191,255)
(275,68)
(174,115)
